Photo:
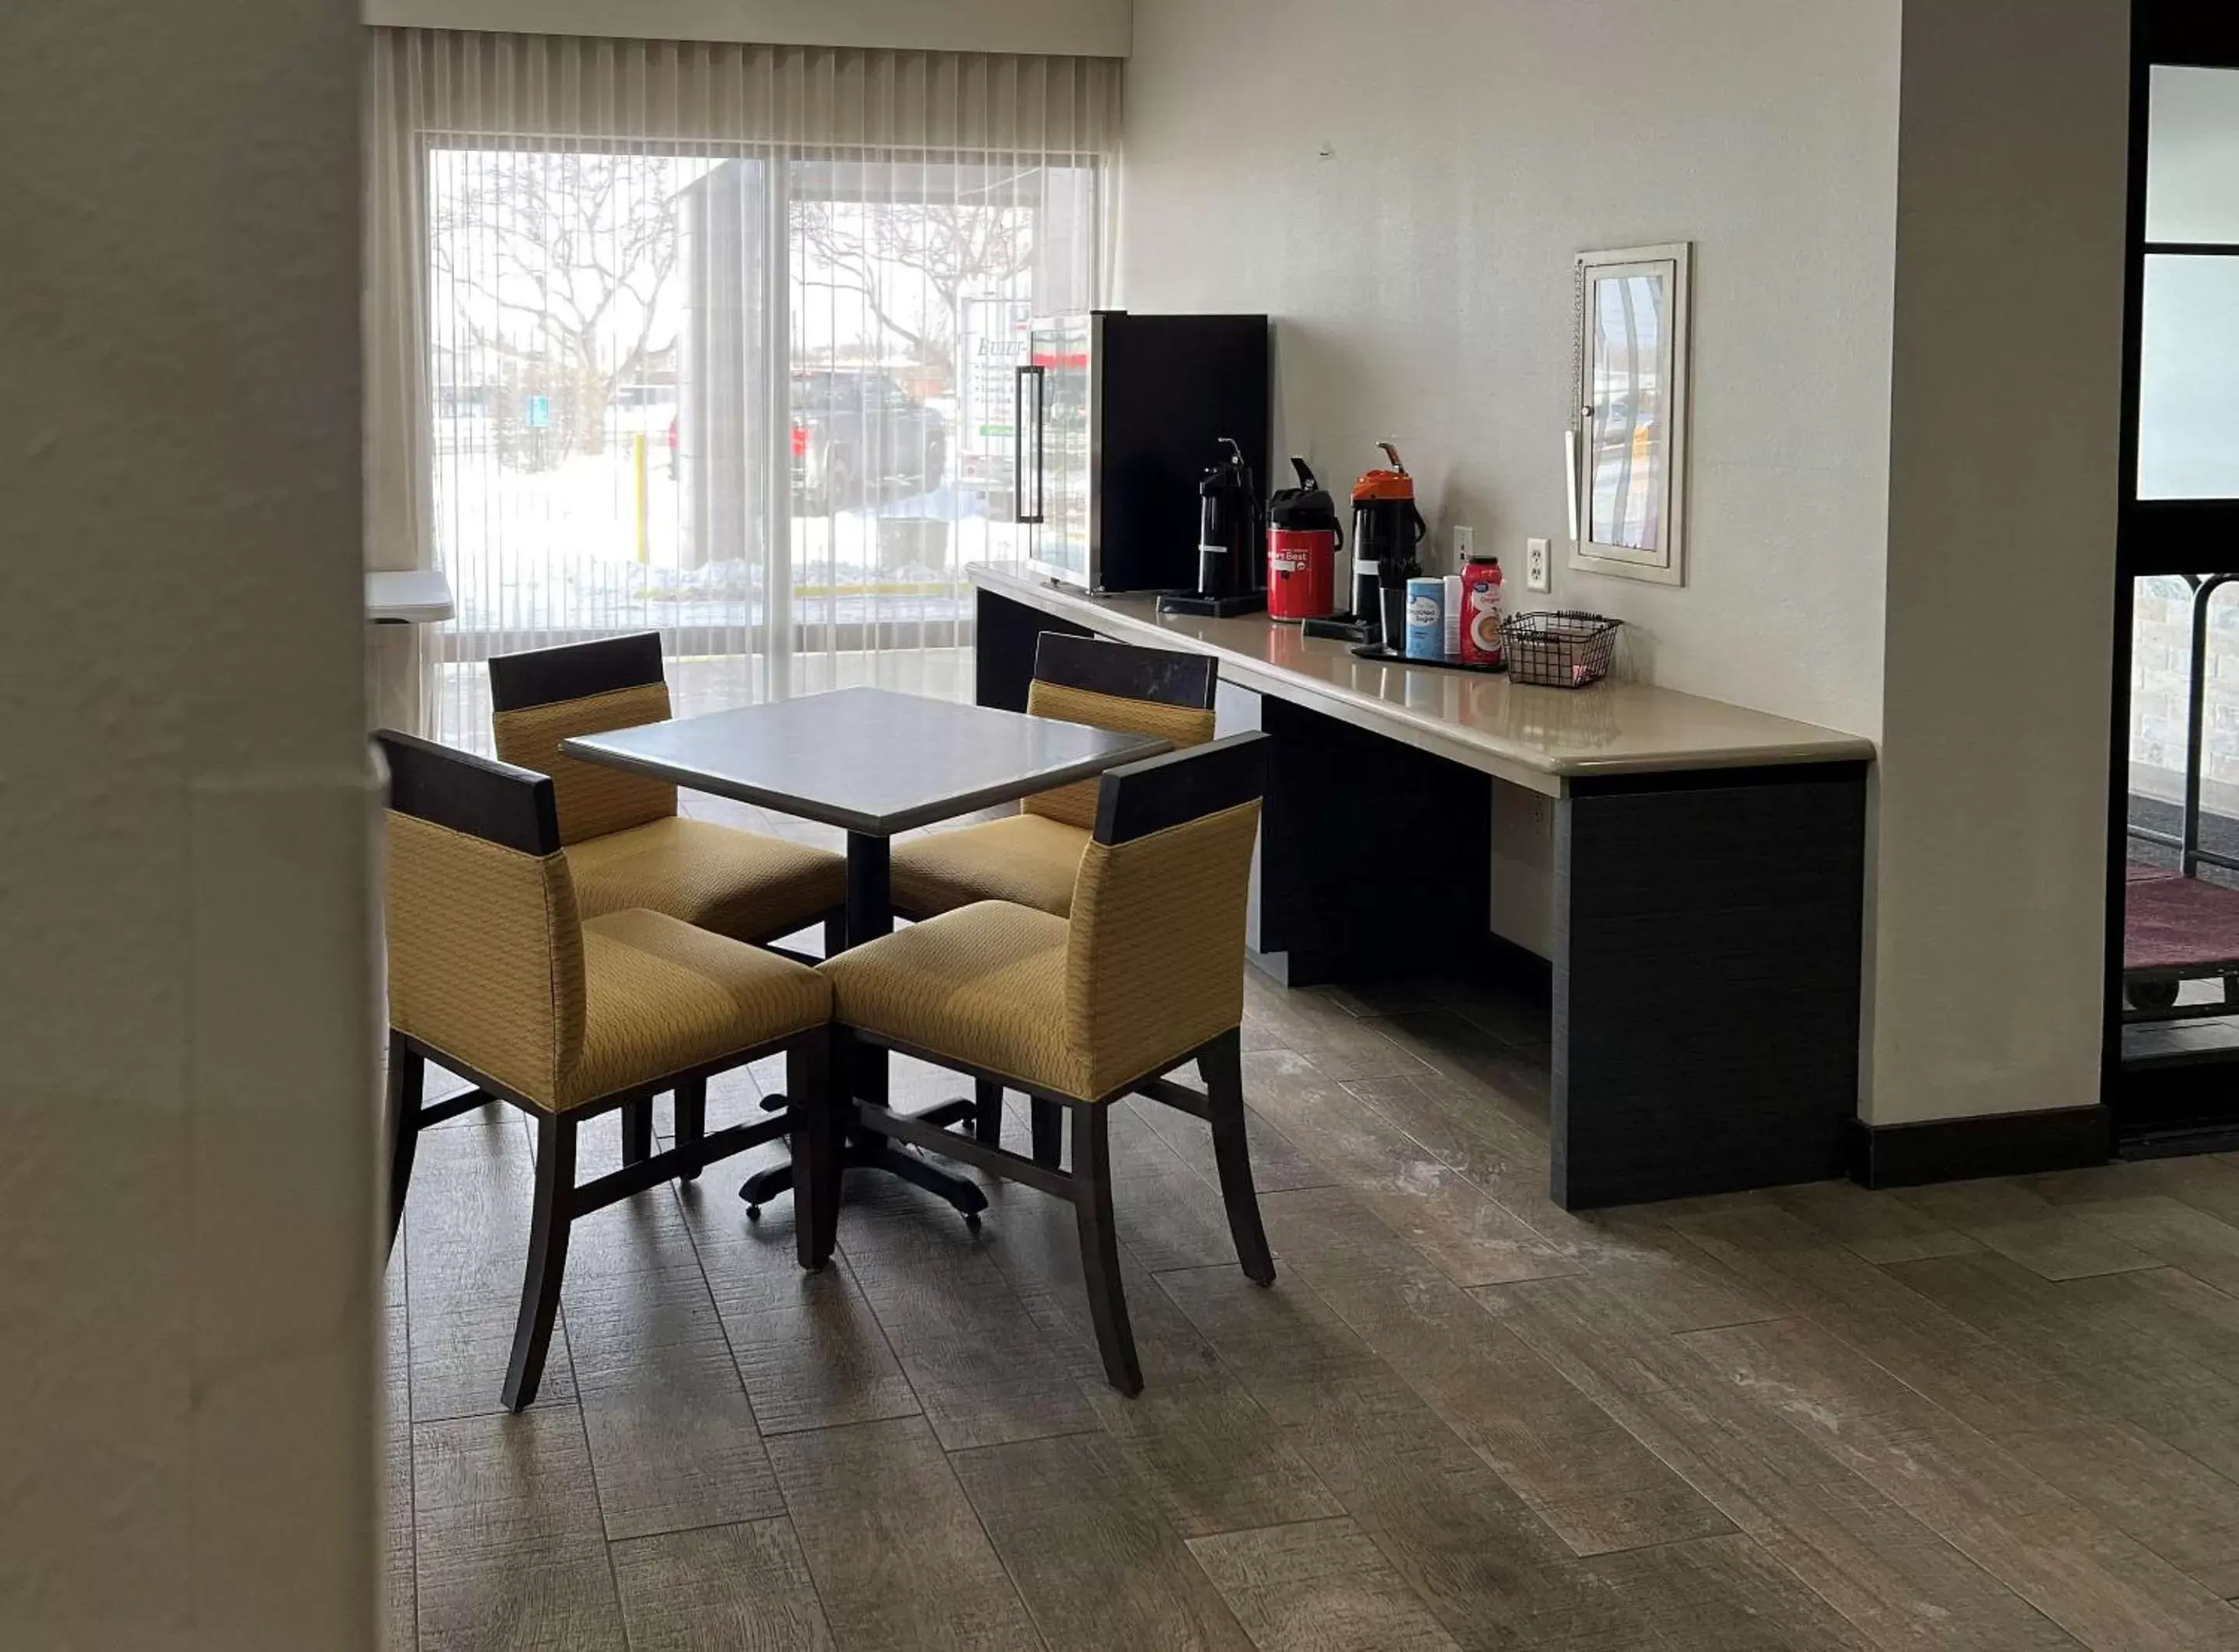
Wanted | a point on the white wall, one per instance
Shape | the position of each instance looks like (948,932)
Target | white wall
(2002,497)
(1420,276)
(1953,601)
(1078,28)
(186,990)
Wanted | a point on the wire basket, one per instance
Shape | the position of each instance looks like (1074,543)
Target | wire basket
(1560,649)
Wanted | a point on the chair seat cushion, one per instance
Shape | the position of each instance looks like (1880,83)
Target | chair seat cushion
(983,985)
(1027,859)
(661,995)
(745,884)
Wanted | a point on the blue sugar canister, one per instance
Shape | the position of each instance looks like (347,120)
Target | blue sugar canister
(1426,619)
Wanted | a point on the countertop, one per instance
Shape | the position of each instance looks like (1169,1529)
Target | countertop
(414,596)
(1538,738)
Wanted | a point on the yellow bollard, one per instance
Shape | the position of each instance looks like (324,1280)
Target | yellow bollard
(637,469)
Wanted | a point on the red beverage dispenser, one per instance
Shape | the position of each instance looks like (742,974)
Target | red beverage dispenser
(1303,537)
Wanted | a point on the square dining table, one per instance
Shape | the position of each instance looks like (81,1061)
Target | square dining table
(872,762)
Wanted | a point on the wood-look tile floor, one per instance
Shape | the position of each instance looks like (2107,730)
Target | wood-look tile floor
(1993,1415)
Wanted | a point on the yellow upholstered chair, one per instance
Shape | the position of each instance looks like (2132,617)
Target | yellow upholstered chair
(1032,856)
(494,974)
(1146,975)
(625,843)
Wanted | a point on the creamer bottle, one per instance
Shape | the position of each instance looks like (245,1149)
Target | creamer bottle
(1480,637)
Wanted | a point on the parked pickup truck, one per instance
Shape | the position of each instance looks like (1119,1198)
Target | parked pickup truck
(859,439)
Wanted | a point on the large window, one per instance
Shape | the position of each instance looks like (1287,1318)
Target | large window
(752,392)
(762,406)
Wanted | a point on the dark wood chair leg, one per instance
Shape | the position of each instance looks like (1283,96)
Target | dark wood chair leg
(637,1131)
(835,934)
(1048,1125)
(548,1258)
(408,1071)
(691,1123)
(1099,1247)
(816,1090)
(1222,1066)
(988,1112)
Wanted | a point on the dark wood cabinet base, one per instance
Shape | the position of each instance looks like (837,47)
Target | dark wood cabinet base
(1708,930)
(1375,858)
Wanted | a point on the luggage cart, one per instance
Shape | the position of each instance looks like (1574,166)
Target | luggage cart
(2176,927)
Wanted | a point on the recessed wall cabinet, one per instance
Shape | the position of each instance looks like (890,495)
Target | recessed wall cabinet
(1627,444)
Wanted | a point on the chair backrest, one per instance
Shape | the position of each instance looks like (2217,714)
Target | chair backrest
(1122,687)
(542,697)
(1154,954)
(485,948)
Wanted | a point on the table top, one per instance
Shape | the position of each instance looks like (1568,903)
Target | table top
(867,760)
(1543,739)
(408,596)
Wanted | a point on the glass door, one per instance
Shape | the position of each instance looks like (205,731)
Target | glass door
(1057,452)
(911,287)
(2173,1014)
(577,296)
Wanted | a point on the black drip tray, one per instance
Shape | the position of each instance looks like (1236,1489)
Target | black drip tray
(1339,627)
(1214,608)
(1396,657)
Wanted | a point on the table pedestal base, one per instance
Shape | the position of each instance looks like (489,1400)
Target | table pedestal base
(874,1153)
(870,915)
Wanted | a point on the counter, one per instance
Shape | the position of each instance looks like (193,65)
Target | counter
(1537,738)
(1704,866)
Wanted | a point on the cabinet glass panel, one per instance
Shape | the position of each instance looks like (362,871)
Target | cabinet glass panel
(1061,541)
(1630,367)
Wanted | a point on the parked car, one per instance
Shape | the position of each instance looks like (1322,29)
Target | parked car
(859,438)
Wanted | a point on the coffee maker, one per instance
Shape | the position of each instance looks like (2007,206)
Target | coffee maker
(1303,539)
(1387,528)
(1229,572)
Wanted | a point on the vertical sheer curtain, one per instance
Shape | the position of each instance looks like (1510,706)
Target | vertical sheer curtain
(712,340)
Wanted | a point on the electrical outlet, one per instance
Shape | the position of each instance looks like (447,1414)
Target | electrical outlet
(1535,564)
(1464,542)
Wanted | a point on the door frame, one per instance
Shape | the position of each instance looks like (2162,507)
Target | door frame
(2165,1109)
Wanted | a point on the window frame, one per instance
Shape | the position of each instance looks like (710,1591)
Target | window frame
(1665,563)
(2159,537)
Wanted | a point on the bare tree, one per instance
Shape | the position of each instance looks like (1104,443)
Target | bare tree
(951,247)
(559,258)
